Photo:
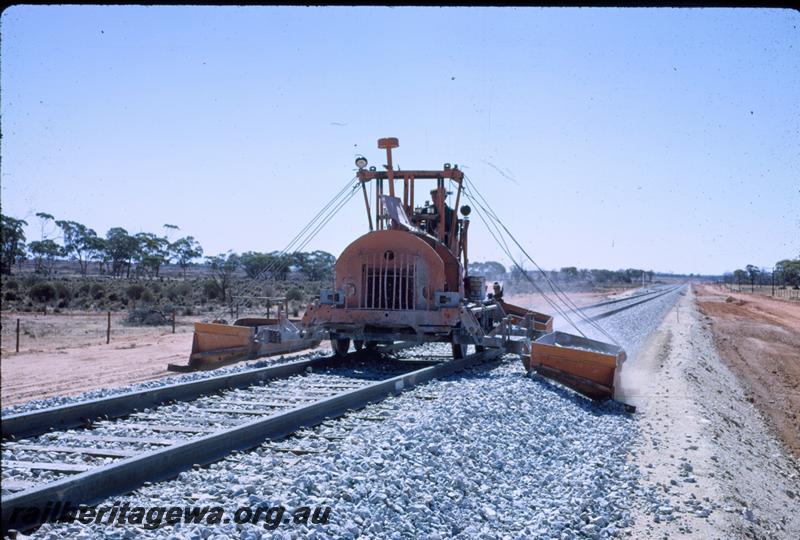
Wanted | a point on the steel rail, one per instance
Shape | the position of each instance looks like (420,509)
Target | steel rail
(128,474)
(64,417)
(82,414)
(618,300)
(623,308)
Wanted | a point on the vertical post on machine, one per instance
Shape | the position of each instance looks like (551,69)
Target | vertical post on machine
(440,209)
(389,143)
(378,190)
(411,196)
(454,223)
(464,227)
(366,203)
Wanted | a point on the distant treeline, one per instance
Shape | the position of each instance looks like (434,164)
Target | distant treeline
(568,274)
(785,273)
(143,254)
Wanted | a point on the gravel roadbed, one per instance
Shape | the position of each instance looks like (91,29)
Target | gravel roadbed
(486,454)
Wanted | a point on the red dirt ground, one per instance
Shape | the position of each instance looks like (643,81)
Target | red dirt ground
(759,338)
(66,354)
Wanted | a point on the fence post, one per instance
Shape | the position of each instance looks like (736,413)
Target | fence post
(173,321)
(108,329)
(17,348)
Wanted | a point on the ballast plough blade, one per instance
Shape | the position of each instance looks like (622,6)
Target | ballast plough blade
(585,365)
(215,345)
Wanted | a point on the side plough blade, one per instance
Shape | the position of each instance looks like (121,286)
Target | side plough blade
(215,345)
(585,365)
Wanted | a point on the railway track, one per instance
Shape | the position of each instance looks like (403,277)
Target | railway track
(85,452)
(621,304)
(111,446)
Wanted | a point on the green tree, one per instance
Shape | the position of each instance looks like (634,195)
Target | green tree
(45,224)
(121,249)
(488,269)
(152,253)
(281,264)
(184,251)
(79,242)
(570,273)
(788,272)
(96,251)
(223,267)
(44,254)
(317,265)
(752,273)
(13,242)
(255,263)
(739,275)
(600,275)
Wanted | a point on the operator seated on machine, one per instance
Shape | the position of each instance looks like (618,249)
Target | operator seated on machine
(497,293)
(433,224)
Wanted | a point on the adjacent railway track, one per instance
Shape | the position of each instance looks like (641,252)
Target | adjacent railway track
(88,451)
(621,304)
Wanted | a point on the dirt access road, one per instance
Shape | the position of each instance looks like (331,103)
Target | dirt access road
(759,339)
(716,465)
(67,354)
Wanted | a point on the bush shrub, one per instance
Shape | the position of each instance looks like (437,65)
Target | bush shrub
(155,318)
(294,294)
(10,296)
(147,296)
(31,280)
(42,292)
(146,317)
(63,292)
(179,291)
(211,290)
(98,291)
(135,291)
(11,285)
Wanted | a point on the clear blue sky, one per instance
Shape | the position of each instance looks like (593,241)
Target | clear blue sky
(655,138)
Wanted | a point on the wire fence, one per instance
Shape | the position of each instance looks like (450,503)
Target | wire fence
(783,292)
(37,332)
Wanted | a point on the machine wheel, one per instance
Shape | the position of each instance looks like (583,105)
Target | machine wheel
(459,351)
(358,344)
(340,346)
